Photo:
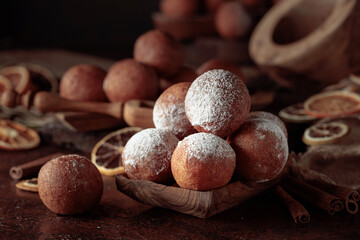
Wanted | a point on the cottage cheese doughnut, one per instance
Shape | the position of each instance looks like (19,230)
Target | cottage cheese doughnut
(128,79)
(203,161)
(261,150)
(83,82)
(160,51)
(269,116)
(70,184)
(147,155)
(217,102)
(169,111)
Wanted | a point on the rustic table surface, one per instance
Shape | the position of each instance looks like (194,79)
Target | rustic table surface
(23,215)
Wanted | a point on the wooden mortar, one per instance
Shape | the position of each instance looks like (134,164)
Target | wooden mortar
(308,43)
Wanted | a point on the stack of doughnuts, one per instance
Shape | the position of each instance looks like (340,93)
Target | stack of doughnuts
(211,137)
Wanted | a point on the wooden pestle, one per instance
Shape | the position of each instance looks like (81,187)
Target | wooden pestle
(50,102)
(135,112)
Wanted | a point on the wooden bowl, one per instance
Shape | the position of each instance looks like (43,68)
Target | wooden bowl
(303,43)
(184,27)
(202,204)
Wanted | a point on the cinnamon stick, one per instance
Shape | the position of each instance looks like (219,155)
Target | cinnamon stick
(30,168)
(316,196)
(297,210)
(350,196)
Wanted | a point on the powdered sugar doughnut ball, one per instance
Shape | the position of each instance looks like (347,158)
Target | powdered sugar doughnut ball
(169,111)
(203,161)
(70,185)
(147,155)
(269,116)
(217,102)
(261,150)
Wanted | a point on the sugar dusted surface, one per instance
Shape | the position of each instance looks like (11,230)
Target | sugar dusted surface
(153,146)
(169,111)
(204,145)
(212,98)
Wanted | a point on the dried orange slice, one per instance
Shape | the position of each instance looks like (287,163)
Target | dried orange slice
(325,133)
(295,113)
(106,155)
(15,136)
(19,76)
(30,185)
(331,104)
(345,84)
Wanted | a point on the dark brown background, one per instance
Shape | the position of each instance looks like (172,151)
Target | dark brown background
(105,28)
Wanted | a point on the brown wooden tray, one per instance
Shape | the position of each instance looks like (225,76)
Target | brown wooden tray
(202,204)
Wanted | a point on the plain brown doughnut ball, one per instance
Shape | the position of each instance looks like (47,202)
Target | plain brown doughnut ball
(176,8)
(160,51)
(147,155)
(203,161)
(269,116)
(217,102)
(186,74)
(224,64)
(232,21)
(70,185)
(83,82)
(261,149)
(128,79)
(169,111)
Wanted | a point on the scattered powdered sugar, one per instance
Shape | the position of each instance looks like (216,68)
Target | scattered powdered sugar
(153,147)
(73,166)
(172,117)
(216,97)
(262,115)
(280,144)
(206,146)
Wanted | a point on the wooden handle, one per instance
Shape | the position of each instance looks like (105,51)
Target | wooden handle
(139,113)
(50,102)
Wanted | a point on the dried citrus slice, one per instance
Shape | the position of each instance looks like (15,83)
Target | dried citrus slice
(331,104)
(30,185)
(15,136)
(324,133)
(41,77)
(106,155)
(19,76)
(345,84)
(295,113)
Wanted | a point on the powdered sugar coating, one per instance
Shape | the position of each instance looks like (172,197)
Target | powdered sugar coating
(169,111)
(203,161)
(217,102)
(261,149)
(147,155)
(269,116)
(203,145)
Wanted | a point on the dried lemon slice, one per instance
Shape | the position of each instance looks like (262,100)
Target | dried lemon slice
(106,155)
(295,113)
(30,185)
(325,133)
(15,136)
(332,104)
